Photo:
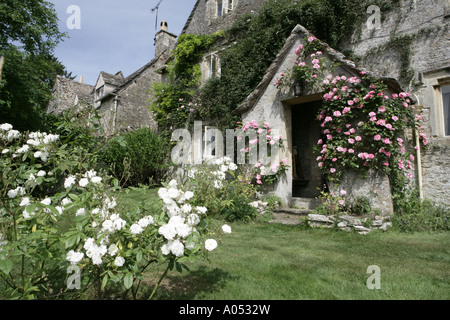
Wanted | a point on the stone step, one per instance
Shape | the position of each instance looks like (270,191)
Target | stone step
(305,203)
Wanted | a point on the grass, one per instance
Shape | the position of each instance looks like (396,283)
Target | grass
(276,262)
(262,261)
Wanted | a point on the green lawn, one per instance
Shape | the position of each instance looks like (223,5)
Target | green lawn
(277,262)
(262,261)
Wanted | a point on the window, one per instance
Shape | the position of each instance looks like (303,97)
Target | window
(214,66)
(99,92)
(445,91)
(219,8)
(224,7)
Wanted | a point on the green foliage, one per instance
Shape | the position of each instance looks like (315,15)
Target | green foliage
(28,35)
(140,156)
(414,215)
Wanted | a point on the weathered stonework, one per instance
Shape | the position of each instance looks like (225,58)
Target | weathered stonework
(375,188)
(349,223)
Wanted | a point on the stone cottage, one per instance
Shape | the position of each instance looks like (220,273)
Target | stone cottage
(121,101)
(409,46)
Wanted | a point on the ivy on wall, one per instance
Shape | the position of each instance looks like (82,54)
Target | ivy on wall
(253,41)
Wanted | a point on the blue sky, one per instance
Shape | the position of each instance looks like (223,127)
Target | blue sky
(114,35)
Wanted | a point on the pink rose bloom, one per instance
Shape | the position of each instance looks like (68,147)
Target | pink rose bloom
(361,155)
(381,122)
(386,141)
(332,170)
(297,51)
(328,119)
(358,138)
(352,130)
(343,192)
(334,159)
(337,113)
(395,118)
(341,202)
(377,137)
(351,151)
(320,141)
(350,102)
(411,157)
(360,123)
(346,109)
(316,66)
(386,164)
(320,164)
(315,61)
(348,125)
(284,161)
(258,181)
(311,39)
(347,133)
(329,136)
(370,156)
(381,109)
(351,141)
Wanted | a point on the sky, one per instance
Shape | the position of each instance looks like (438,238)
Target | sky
(113,35)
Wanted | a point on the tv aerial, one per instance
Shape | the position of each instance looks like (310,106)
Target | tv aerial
(156,8)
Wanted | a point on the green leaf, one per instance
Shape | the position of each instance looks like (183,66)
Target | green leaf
(6,266)
(104,281)
(128,280)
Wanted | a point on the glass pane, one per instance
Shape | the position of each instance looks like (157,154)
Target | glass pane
(446,104)
(219,8)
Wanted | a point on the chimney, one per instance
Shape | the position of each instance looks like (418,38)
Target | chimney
(164,39)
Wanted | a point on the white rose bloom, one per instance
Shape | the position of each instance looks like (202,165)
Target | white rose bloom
(232,166)
(69,182)
(80,212)
(193,219)
(74,257)
(136,229)
(41,173)
(173,184)
(5,151)
(112,250)
(226,228)
(107,225)
(6,126)
(165,249)
(25,201)
(177,248)
(183,230)
(210,244)
(95,211)
(168,231)
(119,223)
(23,149)
(201,210)
(83,182)
(173,193)
(46,201)
(119,261)
(186,208)
(217,184)
(59,209)
(188,195)
(96,179)
(65,201)
(12,193)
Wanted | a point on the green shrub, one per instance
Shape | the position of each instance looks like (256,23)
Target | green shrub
(137,157)
(414,215)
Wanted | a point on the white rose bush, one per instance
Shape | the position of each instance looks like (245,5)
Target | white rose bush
(56,212)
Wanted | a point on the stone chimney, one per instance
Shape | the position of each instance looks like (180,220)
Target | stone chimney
(164,39)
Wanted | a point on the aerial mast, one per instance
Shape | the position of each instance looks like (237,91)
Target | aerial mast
(156,8)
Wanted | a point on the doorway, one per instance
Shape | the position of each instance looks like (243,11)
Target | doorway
(307,180)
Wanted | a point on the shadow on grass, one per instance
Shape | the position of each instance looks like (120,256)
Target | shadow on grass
(189,285)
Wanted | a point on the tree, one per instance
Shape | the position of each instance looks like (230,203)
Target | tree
(28,36)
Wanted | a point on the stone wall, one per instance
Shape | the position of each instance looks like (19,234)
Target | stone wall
(412,46)
(203,19)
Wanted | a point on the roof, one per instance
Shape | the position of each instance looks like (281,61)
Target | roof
(114,79)
(301,32)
